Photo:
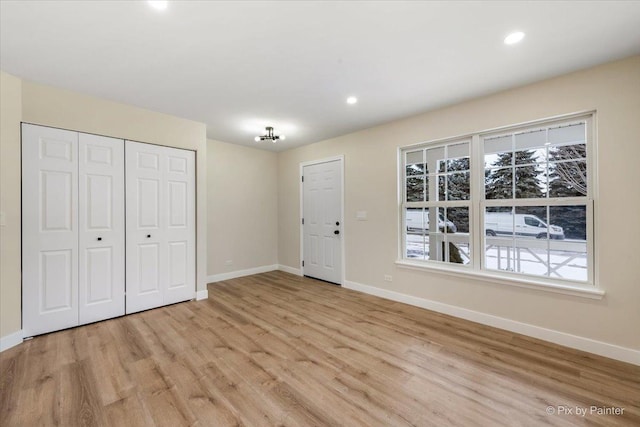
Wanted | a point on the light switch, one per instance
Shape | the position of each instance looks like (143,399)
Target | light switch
(361,215)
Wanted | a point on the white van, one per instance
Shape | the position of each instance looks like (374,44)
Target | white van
(505,223)
(413,220)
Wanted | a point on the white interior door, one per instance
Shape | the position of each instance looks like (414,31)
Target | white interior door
(180,229)
(101,227)
(49,229)
(144,195)
(322,226)
(160,236)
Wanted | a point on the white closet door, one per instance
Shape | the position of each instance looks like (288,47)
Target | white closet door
(49,229)
(181,219)
(145,224)
(101,225)
(160,192)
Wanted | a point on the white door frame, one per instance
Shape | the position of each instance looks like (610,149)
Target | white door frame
(339,158)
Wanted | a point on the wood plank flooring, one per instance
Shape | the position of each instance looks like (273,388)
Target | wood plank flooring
(276,349)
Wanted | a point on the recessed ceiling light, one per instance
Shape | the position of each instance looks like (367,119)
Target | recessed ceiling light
(158,4)
(514,38)
(352,100)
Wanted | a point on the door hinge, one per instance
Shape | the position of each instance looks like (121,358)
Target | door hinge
(302,221)
(303,263)
(302,178)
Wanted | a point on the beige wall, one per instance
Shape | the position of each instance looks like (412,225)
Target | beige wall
(371,184)
(10,113)
(49,106)
(243,207)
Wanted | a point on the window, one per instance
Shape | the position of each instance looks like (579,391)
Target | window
(437,191)
(519,206)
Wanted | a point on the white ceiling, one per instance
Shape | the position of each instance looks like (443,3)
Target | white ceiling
(240,66)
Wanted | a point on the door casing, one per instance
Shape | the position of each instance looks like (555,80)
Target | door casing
(339,158)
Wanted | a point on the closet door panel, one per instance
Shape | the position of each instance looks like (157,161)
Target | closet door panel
(148,212)
(101,221)
(160,226)
(148,269)
(180,231)
(49,229)
(146,256)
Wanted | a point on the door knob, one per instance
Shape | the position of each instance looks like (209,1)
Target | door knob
(336,232)
(148,235)
(99,238)
(337,222)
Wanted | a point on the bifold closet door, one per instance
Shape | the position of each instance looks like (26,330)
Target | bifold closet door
(72,228)
(160,236)
(101,226)
(49,229)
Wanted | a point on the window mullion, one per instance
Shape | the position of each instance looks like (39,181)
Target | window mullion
(513,165)
(591,248)
(477,195)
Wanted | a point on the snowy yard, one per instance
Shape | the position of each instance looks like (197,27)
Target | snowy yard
(565,259)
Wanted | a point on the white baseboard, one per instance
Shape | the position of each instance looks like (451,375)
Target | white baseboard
(11,340)
(248,272)
(290,270)
(200,295)
(241,273)
(573,341)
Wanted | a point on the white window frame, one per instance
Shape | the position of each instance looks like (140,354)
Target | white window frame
(437,204)
(476,269)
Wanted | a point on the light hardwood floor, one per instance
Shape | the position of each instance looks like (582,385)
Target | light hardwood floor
(276,349)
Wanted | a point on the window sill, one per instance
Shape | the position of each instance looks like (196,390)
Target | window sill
(586,291)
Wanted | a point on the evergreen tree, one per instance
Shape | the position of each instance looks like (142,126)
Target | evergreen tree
(458,184)
(527,178)
(458,188)
(415,189)
(415,182)
(499,182)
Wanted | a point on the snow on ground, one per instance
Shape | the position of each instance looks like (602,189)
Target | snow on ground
(564,264)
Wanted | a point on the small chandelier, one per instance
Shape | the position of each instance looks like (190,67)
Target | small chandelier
(269,136)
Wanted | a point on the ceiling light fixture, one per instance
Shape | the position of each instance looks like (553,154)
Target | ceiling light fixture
(158,4)
(514,38)
(352,100)
(269,136)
